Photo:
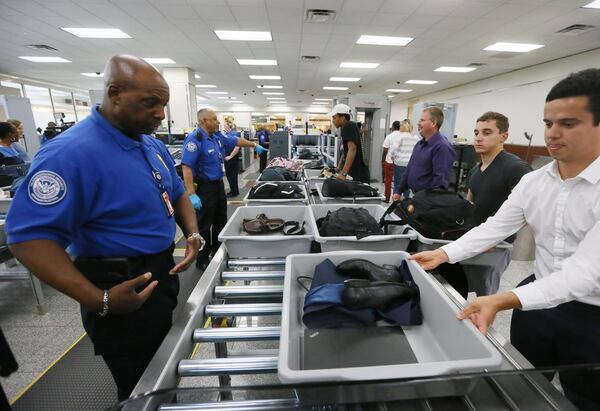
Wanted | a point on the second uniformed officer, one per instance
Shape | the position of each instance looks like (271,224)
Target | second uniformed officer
(203,164)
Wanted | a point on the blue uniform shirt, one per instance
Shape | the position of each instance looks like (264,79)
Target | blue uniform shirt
(20,151)
(9,156)
(206,156)
(94,189)
(263,137)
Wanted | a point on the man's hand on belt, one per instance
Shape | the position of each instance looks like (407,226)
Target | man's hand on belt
(123,298)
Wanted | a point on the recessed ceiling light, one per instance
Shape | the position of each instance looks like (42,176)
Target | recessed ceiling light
(261,77)
(384,40)
(93,74)
(206,86)
(334,88)
(275,98)
(95,33)
(268,86)
(349,64)
(323,99)
(255,62)
(513,47)
(244,35)
(593,5)
(420,82)
(159,60)
(45,59)
(449,69)
(398,90)
(273,93)
(353,79)
(216,92)
(196,76)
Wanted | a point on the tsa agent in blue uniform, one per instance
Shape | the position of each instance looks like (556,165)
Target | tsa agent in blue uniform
(263,137)
(109,193)
(203,166)
(8,155)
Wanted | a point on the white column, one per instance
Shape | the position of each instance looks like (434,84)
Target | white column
(182,102)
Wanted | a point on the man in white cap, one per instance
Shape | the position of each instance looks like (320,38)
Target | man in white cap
(352,164)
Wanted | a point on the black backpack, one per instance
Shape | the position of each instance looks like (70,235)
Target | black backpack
(275,191)
(347,221)
(434,213)
(278,174)
(332,187)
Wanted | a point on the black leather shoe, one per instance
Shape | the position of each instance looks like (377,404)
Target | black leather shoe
(360,268)
(374,294)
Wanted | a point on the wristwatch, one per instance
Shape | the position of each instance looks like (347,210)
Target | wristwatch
(195,236)
(104,311)
(344,174)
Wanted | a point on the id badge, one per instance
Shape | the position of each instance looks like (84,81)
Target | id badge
(223,167)
(168,205)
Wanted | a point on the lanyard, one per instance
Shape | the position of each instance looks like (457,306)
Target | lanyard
(155,173)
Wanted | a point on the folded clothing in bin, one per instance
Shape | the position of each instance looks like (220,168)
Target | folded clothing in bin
(330,298)
(294,165)
(278,173)
(349,221)
(274,190)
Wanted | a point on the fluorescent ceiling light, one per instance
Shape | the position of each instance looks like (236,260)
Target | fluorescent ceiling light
(277,102)
(261,77)
(449,69)
(227,98)
(268,86)
(159,60)
(384,40)
(255,62)
(323,99)
(93,74)
(236,102)
(45,59)
(257,114)
(321,103)
(334,88)
(244,35)
(593,5)
(391,96)
(206,86)
(420,82)
(273,93)
(196,76)
(344,79)
(349,64)
(94,33)
(275,98)
(398,90)
(217,92)
(513,47)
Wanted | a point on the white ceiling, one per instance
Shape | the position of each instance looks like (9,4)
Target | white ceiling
(446,32)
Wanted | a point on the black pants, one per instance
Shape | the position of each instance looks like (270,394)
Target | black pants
(212,217)
(232,169)
(263,162)
(127,342)
(563,335)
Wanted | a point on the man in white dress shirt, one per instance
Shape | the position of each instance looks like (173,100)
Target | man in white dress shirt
(556,320)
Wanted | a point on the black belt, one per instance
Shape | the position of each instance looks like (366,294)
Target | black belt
(205,182)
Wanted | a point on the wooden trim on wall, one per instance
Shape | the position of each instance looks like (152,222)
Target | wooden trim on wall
(521,151)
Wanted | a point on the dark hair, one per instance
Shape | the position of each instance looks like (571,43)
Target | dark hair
(437,115)
(501,120)
(6,129)
(396,125)
(347,117)
(585,83)
(359,124)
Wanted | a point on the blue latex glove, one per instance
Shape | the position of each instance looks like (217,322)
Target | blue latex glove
(196,203)
(260,149)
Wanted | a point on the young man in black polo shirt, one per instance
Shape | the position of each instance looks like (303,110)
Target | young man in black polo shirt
(491,181)
(353,163)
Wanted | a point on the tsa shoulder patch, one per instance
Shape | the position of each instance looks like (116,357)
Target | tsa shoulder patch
(191,147)
(47,188)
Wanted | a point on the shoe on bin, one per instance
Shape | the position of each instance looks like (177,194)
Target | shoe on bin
(360,268)
(359,293)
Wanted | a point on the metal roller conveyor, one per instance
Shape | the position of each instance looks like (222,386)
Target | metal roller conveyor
(219,335)
(227,366)
(256,262)
(249,291)
(232,310)
(252,275)
(250,405)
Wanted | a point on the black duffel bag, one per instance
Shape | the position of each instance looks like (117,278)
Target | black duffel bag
(278,173)
(348,221)
(333,187)
(275,191)
(434,213)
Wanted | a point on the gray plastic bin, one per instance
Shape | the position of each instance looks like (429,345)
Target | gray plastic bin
(278,201)
(441,345)
(358,200)
(243,245)
(312,177)
(394,241)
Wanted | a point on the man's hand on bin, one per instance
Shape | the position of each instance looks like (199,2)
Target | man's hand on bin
(428,260)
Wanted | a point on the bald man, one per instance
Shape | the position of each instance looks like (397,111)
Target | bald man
(110,193)
(203,166)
